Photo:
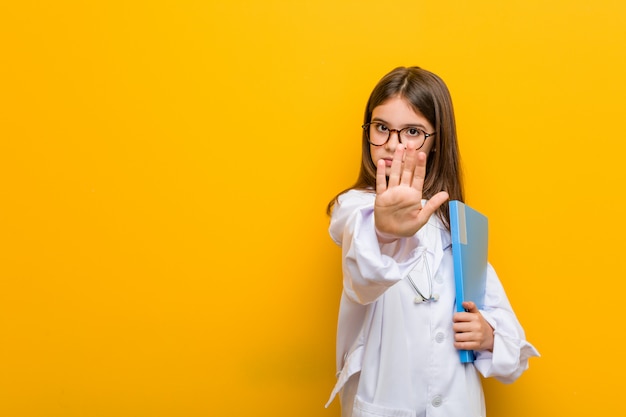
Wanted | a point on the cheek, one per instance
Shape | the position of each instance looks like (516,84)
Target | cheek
(373,155)
(376,155)
(428,145)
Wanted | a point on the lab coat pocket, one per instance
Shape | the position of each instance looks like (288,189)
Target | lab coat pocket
(365,409)
(352,365)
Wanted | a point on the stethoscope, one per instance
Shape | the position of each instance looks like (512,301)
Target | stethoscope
(420,297)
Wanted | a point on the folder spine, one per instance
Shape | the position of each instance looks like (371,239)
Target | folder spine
(468,229)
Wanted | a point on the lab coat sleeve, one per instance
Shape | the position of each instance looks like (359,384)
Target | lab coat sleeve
(369,268)
(511,351)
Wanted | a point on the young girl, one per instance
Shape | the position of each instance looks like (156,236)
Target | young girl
(398,337)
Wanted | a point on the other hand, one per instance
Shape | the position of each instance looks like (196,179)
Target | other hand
(472,331)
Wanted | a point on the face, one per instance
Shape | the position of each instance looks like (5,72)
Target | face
(396,113)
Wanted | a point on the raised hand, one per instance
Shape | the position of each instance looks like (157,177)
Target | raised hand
(398,211)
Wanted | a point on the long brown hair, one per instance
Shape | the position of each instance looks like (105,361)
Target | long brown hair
(427,94)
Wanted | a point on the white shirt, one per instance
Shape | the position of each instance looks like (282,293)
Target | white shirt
(396,357)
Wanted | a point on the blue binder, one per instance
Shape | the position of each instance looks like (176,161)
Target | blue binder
(469,231)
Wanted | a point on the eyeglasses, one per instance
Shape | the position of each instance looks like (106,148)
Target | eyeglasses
(378,134)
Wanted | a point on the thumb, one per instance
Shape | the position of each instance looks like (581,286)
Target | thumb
(470,307)
(435,202)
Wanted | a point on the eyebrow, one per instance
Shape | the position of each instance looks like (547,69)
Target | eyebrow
(378,119)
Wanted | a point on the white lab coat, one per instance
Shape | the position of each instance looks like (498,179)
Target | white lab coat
(396,357)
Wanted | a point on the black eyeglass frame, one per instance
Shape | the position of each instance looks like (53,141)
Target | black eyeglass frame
(366,128)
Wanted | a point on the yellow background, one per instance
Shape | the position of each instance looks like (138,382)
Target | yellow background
(165,167)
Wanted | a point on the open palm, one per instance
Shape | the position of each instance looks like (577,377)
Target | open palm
(398,210)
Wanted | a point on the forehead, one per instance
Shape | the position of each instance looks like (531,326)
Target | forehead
(398,110)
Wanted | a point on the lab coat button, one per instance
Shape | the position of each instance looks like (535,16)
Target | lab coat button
(437,401)
(439,337)
(438,279)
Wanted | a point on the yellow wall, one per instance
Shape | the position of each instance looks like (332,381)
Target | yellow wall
(165,167)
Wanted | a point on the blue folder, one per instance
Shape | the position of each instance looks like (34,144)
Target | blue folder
(469,231)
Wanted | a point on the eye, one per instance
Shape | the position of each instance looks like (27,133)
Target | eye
(381,128)
(413,132)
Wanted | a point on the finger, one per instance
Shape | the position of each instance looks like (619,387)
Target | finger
(381,177)
(419,171)
(464,337)
(461,318)
(469,345)
(396,166)
(461,327)
(408,168)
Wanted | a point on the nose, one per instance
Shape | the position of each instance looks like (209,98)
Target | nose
(394,140)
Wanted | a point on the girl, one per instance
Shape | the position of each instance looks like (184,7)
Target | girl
(397,339)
